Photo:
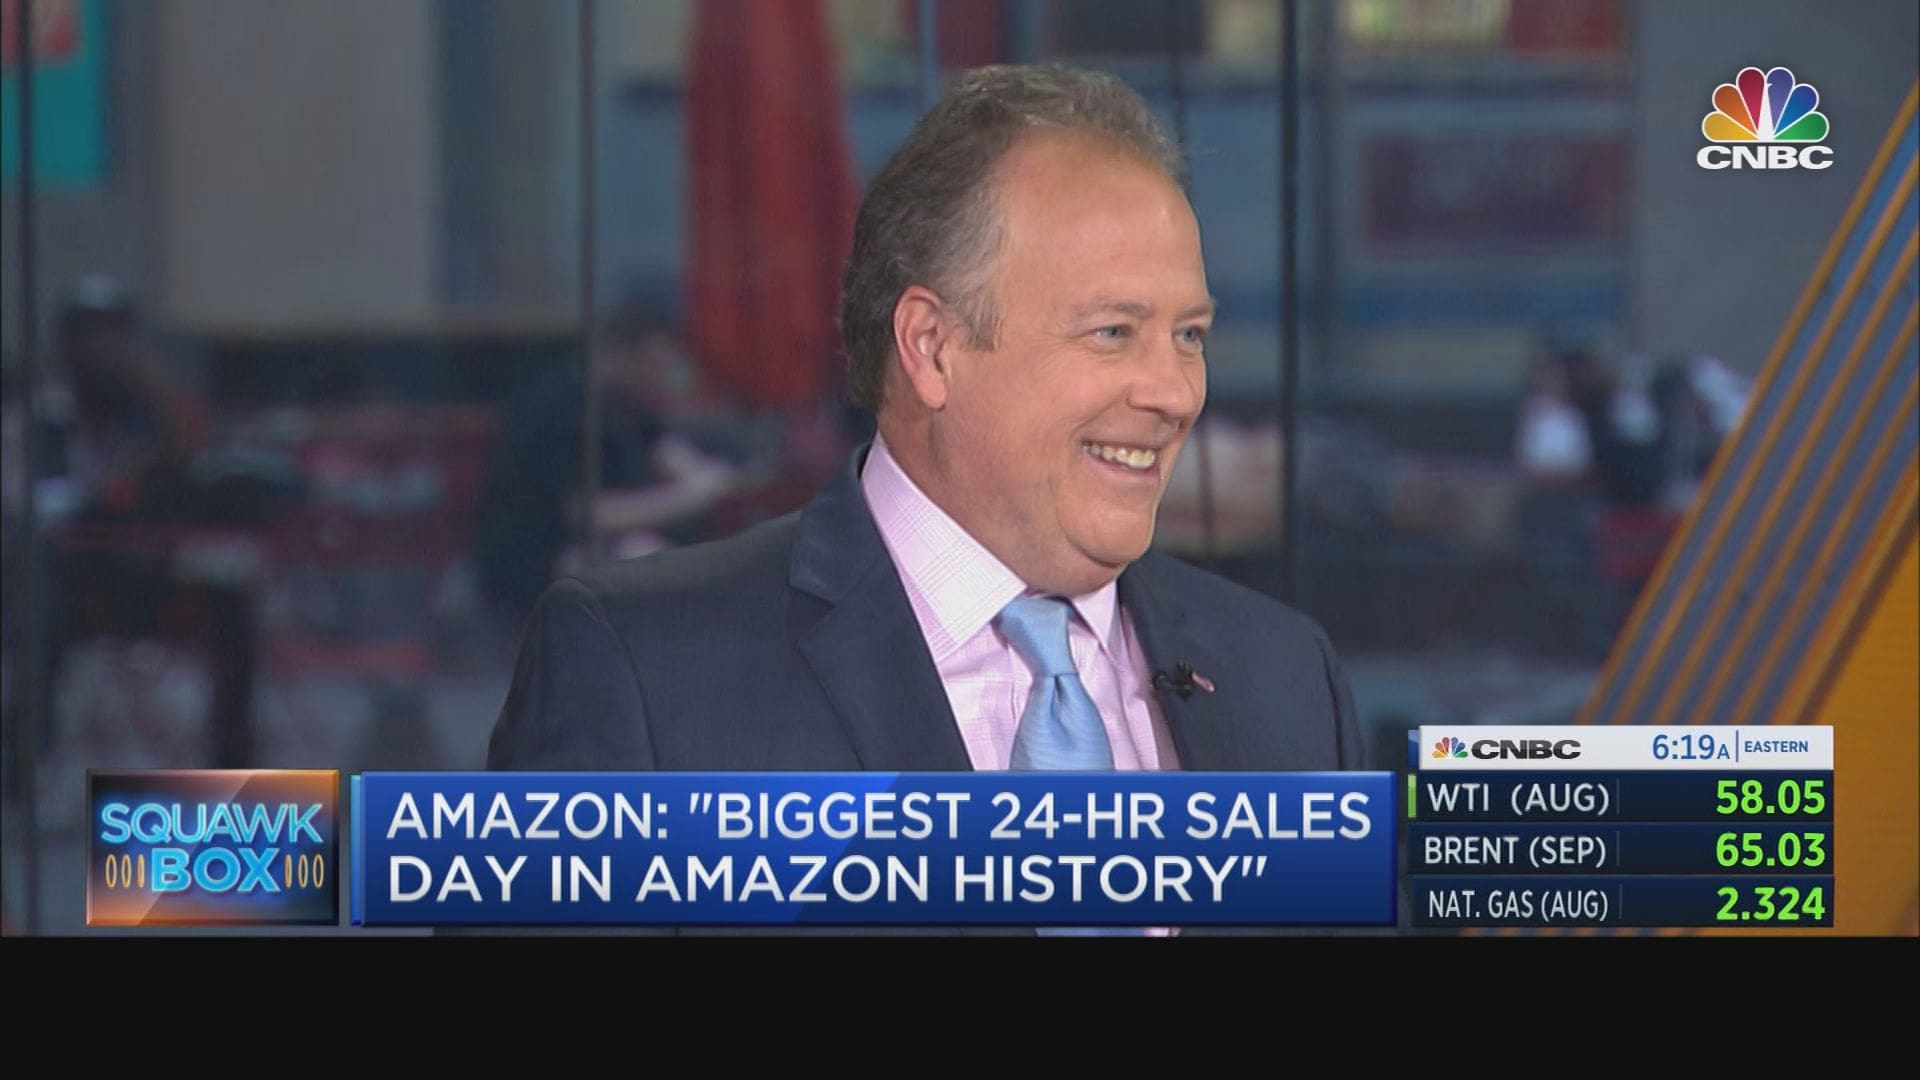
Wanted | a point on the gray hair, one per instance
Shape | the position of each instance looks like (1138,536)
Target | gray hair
(928,217)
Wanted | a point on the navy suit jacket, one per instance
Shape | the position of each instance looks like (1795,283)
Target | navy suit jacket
(792,646)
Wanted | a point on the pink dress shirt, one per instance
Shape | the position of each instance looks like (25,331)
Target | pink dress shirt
(956,587)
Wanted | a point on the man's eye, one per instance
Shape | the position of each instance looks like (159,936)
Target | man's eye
(1194,335)
(1113,333)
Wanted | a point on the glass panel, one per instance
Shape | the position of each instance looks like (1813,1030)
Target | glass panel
(1476,156)
(291,259)
(732,138)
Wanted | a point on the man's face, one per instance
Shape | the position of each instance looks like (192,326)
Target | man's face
(1055,445)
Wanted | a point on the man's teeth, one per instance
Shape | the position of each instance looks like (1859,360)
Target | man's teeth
(1120,455)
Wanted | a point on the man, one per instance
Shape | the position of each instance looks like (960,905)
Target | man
(1026,310)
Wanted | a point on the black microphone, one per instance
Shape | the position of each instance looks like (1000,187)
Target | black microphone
(1180,682)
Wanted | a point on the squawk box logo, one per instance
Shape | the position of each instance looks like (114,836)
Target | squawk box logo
(1449,747)
(1765,120)
(211,848)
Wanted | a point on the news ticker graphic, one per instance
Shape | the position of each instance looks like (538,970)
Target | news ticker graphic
(1536,747)
(213,847)
(1620,826)
(1622,796)
(1522,826)
(869,849)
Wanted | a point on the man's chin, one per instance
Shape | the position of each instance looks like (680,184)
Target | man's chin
(1103,563)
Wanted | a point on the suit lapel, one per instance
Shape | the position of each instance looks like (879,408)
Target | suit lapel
(1242,725)
(1203,725)
(864,646)
(1253,720)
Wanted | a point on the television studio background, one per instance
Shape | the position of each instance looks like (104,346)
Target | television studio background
(334,329)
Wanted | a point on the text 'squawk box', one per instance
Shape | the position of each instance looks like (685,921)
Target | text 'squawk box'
(204,847)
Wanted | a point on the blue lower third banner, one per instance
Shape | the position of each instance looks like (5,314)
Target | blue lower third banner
(873,849)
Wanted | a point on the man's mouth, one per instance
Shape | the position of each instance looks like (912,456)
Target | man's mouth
(1139,459)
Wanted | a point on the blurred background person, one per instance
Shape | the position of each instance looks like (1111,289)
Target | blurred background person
(1551,441)
(1700,401)
(120,435)
(656,481)
(1619,450)
(128,486)
(1557,517)
(1622,425)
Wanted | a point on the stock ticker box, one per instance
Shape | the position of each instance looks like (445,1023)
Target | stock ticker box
(209,847)
(1620,826)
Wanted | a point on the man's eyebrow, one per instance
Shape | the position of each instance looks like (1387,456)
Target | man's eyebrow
(1133,308)
(1139,309)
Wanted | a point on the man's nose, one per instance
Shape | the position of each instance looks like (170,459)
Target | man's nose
(1170,382)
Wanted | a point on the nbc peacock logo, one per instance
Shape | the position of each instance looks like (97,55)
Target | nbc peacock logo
(1449,747)
(1765,120)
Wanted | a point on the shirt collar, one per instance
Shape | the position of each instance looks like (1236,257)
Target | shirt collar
(957,584)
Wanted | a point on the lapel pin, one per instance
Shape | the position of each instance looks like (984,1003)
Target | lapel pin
(1183,681)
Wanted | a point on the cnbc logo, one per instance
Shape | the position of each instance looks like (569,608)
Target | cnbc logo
(1507,749)
(213,847)
(1765,120)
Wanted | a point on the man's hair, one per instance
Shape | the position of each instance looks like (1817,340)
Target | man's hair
(928,219)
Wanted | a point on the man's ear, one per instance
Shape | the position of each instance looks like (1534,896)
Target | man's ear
(923,338)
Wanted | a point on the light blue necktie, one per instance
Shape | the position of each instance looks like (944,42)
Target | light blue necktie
(1060,729)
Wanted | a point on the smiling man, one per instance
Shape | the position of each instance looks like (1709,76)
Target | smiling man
(1026,310)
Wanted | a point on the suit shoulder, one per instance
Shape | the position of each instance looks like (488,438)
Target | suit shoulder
(747,564)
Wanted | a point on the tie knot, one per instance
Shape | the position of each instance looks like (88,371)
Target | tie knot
(1037,628)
